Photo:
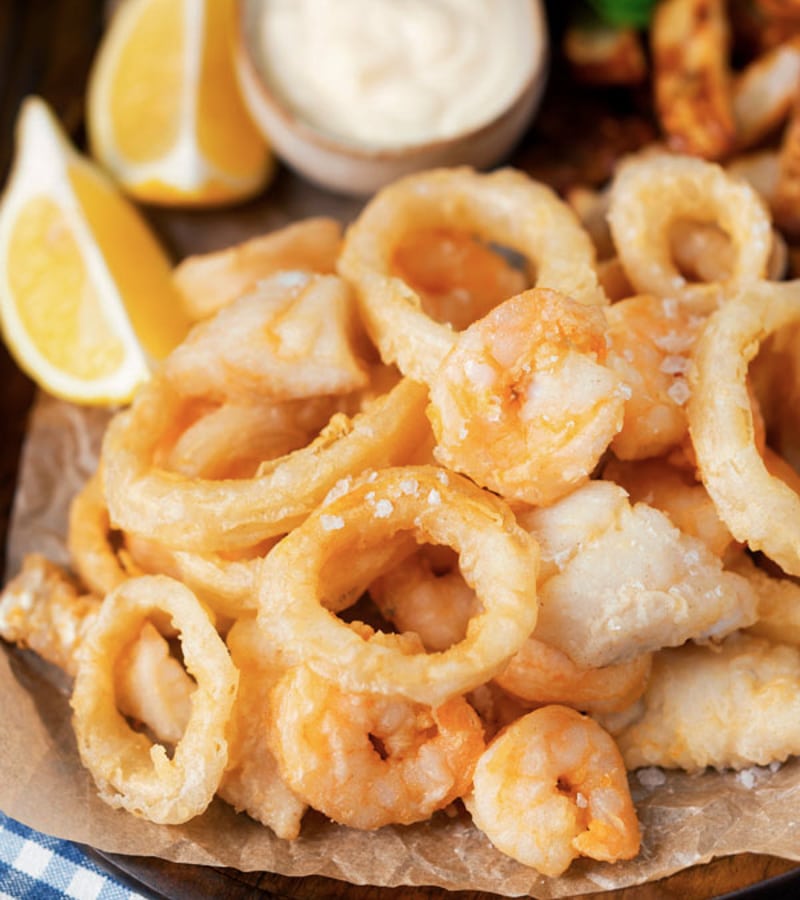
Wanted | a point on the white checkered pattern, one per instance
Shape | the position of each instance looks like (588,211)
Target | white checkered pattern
(34,866)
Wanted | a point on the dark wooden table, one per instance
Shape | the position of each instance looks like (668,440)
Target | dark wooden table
(46,47)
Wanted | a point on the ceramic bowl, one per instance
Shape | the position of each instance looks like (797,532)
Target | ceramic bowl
(352,169)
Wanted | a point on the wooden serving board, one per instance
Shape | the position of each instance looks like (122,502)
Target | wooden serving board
(46,47)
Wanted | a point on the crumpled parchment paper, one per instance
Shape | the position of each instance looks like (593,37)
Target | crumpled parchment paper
(685,819)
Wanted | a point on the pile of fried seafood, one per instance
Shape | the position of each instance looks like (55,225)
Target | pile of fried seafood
(441,513)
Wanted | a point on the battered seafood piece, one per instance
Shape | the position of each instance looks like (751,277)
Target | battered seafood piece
(458,278)
(731,706)
(690,45)
(552,787)
(46,610)
(93,555)
(524,403)
(650,343)
(654,193)
(152,687)
(209,281)
(233,440)
(427,594)
(129,770)
(778,603)
(295,336)
(145,498)
(676,492)
(619,580)
(540,674)
(504,207)
(251,781)
(368,760)
(759,507)
(763,92)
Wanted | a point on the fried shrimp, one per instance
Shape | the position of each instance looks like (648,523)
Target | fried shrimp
(368,760)
(523,403)
(650,342)
(427,595)
(552,787)
(539,673)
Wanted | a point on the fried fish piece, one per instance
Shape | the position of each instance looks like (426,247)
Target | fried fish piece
(729,707)
(619,580)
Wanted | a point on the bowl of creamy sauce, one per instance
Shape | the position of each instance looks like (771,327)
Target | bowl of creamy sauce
(355,93)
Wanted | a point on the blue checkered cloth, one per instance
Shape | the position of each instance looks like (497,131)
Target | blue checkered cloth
(34,866)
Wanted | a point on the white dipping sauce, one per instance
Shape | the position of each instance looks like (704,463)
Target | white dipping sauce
(392,73)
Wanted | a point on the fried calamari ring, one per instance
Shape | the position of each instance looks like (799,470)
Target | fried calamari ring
(230,514)
(458,278)
(758,507)
(497,558)
(651,194)
(129,771)
(92,553)
(504,207)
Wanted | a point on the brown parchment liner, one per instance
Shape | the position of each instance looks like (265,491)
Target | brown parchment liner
(685,820)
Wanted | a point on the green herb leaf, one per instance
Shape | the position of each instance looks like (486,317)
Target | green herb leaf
(624,13)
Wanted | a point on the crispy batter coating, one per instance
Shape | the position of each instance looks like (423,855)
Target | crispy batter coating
(730,706)
(692,92)
(619,580)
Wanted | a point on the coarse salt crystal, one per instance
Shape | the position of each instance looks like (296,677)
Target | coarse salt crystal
(747,778)
(624,391)
(670,307)
(383,509)
(341,487)
(434,497)
(331,523)
(292,278)
(674,365)
(679,392)
(409,486)
(651,777)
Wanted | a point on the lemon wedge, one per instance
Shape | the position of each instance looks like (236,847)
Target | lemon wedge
(86,297)
(165,116)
